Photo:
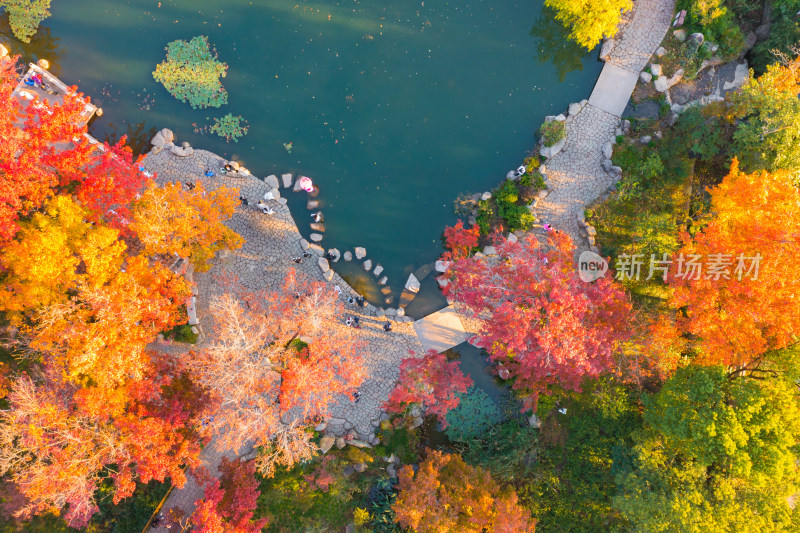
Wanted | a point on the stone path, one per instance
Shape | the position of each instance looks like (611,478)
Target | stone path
(575,176)
(271,241)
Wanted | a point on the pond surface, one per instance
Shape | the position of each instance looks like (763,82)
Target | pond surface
(393,108)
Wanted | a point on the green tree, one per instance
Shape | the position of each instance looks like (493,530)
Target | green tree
(25,16)
(589,20)
(768,137)
(716,454)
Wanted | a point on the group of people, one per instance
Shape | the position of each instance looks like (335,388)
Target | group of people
(299,260)
(35,80)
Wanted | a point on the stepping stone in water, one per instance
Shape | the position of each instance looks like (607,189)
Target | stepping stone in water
(368,265)
(316,226)
(334,252)
(383,280)
(423,271)
(287,180)
(361,252)
(312,204)
(406,297)
(388,300)
(378,270)
(412,284)
(348,255)
(316,237)
(317,249)
(272,181)
(386,290)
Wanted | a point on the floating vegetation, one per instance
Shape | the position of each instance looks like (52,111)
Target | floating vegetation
(191,73)
(287,147)
(230,127)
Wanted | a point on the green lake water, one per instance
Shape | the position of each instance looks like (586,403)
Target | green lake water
(393,108)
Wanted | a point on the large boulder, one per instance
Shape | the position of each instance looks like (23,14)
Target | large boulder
(326,443)
(661,84)
(361,252)
(182,151)
(272,181)
(678,76)
(412,284)
(163,138)
(739,77)
(606,49)
(695,40)
(323,264)
(608,150)
(645,77)
(655,69)
(550,151)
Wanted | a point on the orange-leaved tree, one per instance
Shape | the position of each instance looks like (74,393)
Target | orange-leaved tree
(446,495)
(170,219)
(82,302)
(57,446)
(276,361)
(747,301)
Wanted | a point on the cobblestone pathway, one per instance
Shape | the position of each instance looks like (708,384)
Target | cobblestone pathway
(271,241)
(575,175)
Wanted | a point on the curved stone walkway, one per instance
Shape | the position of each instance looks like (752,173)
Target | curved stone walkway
(575,176)
(271,241)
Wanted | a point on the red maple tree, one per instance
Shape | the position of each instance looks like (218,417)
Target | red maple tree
(539,321)
(459,241)
(228,503)
(45,151)
(430,381)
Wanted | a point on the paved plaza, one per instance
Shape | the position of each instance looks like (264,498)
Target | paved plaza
(271,241)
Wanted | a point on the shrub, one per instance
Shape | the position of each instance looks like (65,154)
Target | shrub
(230,127)
(182,333)
(717,23)
(552,132)
(191,73)
(475,414)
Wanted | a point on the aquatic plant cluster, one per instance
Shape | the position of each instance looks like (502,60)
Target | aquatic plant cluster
(191,73)
(230,127)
